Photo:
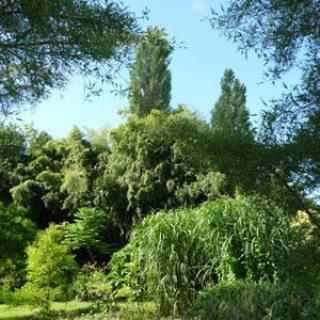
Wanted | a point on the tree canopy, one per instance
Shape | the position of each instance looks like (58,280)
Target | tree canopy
(198,219)
(42,42)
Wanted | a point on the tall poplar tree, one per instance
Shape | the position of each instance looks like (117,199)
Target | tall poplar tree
(233,139)
(230,115)
(150,77)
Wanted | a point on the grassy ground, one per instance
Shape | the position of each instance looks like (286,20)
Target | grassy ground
(67,309)
(82,311)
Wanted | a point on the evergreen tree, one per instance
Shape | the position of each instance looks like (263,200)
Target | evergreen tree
(230,115)
(285,34)
(150,77)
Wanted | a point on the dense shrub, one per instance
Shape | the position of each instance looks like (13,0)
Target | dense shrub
(85,234)
(242,300)
(123,275)
(156,162)
(5,294)
(91,284)
(303,265)
(50,266)
(175,254)
(17,232)
(26,295)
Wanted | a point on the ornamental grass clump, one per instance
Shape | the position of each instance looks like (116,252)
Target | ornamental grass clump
(176,254)
(255,236)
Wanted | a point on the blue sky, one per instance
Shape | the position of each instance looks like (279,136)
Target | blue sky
(196,72)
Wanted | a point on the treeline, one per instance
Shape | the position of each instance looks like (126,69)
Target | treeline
(159,160)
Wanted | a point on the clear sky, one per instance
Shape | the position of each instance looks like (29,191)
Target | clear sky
(196,72)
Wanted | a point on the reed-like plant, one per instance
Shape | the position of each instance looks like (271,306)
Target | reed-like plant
(255,236)
(177,253)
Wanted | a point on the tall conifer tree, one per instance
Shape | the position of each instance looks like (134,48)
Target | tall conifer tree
(233,138)
(150,77)
(230,115)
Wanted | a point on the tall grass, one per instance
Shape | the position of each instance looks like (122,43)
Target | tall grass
(177,253)
(172,258)
(254,235)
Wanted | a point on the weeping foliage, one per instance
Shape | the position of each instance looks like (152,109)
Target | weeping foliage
(43,42)
(153,164)
(12,148)
(175,254)
(56,177)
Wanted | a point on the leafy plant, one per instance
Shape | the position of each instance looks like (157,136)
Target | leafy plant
(151,160)
(245,299)
(17,232)
(255,236)
(50,266)
(91,284)
(87,231)
(123,275)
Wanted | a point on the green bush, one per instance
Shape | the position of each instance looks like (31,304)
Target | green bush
(87,231)
(124,275)
(5,294)
(91,284)
(243,300)
(303,264)
(17,232)
(50,266)
(28,294)
(175,254)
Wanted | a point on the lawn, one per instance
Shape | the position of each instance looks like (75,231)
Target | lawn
(67,309)
(81,311)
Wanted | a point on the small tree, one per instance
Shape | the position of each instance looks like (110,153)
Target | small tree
(49,265)
(86,232)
